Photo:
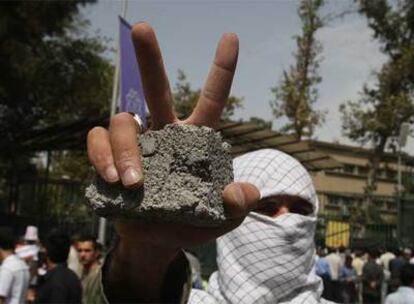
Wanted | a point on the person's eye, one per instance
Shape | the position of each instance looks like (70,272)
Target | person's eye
(268,208)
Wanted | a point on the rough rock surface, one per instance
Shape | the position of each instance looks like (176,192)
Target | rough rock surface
(185,171)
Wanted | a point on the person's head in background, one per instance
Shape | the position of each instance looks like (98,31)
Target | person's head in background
(88,252)
(397,251)
(31,236)
(57,245)
(389,249)
(358,252)
(407,253)
(407,275)
(348,261)
(331,250)
(321,251)
(74,240)
(7,243)
(373,254)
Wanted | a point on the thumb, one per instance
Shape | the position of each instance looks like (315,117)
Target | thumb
(239,199)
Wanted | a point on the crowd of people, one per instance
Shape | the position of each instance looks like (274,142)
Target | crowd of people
(377,275)
(60,270)
(54,269)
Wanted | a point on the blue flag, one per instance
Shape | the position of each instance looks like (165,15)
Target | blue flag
(132,95)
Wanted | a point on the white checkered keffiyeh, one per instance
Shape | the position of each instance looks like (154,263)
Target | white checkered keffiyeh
(268,260)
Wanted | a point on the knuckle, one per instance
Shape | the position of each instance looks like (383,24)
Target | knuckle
(102,159)
(96,131)
(126,158)
(121,118)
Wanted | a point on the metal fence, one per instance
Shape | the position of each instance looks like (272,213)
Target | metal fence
(406,221)
(337,231)
(47,204)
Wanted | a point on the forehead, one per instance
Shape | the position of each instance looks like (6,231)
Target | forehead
(87,245)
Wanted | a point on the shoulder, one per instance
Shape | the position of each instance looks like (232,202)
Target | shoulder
(68,275)
(13,263)
(392,298)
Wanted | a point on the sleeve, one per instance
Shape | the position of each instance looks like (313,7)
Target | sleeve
(365,274)
(6,280)
(177,285)
(342,275)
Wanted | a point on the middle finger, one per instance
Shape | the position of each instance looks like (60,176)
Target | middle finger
(217,88)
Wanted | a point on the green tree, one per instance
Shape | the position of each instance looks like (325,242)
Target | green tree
(261,122)
(52,72)
(296,93)
(185,98)
(377,116)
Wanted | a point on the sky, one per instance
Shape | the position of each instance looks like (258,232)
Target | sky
(188,32)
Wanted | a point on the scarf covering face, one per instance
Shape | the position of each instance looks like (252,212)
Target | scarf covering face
(268,260)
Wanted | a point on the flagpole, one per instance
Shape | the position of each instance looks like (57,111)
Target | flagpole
(102,220)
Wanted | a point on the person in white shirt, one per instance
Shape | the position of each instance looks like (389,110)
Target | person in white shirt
(335,264)
(14,273)
(404,293)
(385,259)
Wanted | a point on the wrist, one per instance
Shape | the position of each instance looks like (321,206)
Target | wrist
(129,251)
(136,271)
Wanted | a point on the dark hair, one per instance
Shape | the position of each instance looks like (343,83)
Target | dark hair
(7,240)
(57,245)
(331,249)
(397,251)
(373,253)
(348,259)
(89,238)
(407,274)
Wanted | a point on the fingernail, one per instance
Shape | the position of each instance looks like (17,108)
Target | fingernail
(237,194)
(111,174)
(130,177)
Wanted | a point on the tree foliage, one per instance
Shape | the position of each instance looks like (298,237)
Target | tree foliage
(185,98)
(261,122)
(51,71)
(377,116)
(296,93)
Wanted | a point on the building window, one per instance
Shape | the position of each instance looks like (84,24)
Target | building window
(349,169)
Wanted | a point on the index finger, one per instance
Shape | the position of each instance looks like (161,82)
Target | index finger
(154,78)
(217,87)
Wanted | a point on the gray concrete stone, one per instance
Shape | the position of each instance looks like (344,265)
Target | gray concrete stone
(185,171)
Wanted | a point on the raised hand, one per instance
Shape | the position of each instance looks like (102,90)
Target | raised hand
(146,250)
(115,153)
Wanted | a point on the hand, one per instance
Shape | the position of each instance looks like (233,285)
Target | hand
(115,153)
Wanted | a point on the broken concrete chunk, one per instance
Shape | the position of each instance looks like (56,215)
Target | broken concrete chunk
(185,171)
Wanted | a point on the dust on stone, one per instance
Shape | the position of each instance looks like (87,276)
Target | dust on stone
(185,169)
